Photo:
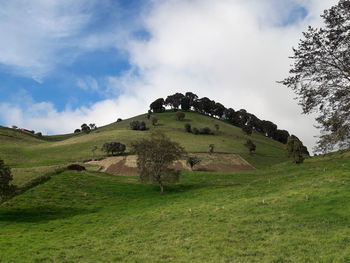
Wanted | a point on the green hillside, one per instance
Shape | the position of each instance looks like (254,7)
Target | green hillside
(286,213)
(24,150)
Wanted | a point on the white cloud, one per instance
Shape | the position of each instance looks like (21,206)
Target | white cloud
(232,51)
(38,35)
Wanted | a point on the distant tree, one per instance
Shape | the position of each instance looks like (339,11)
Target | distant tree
(188,128)
(39,134)
(185,104)
(211,148)
(138,125)
(180,116)
(192,98)
(219,110)
(174,101)
(154,121)
(269,128)
(250,145)
(77,130)
(154,155)
(6,188)
(320,76)
(294,149)
(281,136)
(192,161)
(14,127)
(92,126)
(113,148)
(158,105)
(85,128)
(247,129)
(119,120)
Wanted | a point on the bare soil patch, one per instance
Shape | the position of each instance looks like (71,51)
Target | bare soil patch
(216,162)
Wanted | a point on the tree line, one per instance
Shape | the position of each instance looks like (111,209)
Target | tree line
(248,122)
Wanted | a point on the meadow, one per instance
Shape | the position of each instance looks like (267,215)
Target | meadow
(280,212)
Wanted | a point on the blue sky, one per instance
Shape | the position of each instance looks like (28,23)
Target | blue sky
(66,62)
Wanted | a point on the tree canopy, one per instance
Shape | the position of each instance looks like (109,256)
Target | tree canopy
(154,155)
(320,76)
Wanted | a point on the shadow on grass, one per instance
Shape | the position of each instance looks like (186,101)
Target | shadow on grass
(39,214)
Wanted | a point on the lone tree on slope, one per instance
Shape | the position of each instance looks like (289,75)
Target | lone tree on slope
(154,155)
(320,76)
(6,188)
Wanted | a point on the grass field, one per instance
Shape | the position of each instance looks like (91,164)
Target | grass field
(286,213)
(22,150)
(279,213)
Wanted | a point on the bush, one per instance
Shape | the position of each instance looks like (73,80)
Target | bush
(138,125)
(180,116)
(119,120)
(76,167)
(77,131)
(113,147)
(206,130)
(188,128)
(251,146)
(211,148)
(195,131)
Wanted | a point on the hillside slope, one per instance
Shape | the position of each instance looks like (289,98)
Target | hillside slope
(29,150)
(286,213)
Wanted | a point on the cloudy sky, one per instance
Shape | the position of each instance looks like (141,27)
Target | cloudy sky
(63,62)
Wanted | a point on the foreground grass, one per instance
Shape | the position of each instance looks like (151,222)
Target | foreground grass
(284,214)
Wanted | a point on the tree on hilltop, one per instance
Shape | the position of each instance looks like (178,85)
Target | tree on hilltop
(294,149)
(320,76)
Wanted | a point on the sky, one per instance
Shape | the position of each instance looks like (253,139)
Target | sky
(64,63)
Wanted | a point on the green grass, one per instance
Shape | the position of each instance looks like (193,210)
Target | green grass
(22,150)
(286,213)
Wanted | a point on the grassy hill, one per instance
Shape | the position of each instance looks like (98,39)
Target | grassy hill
(285,213)
(22,150)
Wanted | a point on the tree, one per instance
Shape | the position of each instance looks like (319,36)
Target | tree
(174,101)
(294,149)
(149,113)
(192,161)
(157,105)
(247,129)
(85,128)
(138,125)
(113,148)
(77,130)
(154,155)
(320,76)
(92,126)
(250,145)
(180,116)
(185,104)
(6,188)
(119,120)
(188,128)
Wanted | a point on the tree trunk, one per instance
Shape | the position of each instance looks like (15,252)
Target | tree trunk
(161,187)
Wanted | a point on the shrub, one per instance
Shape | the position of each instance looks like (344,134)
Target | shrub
(188,127)
(180,116)
(77,131)
(211,148)
(6,188)
(76,167)
(138,125)
(113,147)
(195,131)
(119,120)
(206,130)
(251,146)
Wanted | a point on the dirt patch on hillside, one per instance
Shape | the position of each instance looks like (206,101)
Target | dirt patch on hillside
(217,162)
